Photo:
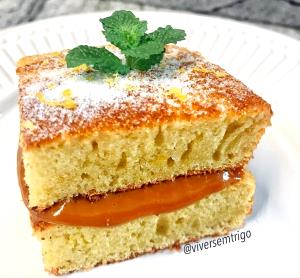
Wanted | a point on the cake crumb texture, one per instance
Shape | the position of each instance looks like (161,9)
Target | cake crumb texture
(112,161)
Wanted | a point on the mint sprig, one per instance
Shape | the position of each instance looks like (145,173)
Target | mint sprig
(124,30)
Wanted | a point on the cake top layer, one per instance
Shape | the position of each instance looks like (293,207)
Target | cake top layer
(58,101)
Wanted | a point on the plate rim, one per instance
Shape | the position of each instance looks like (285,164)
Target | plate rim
(56,19)
(46,21)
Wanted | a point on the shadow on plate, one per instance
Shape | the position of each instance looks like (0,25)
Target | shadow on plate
(265,168)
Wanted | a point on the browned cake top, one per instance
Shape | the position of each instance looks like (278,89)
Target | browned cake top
(55,100)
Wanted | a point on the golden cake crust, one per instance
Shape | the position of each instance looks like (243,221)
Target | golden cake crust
(195,90)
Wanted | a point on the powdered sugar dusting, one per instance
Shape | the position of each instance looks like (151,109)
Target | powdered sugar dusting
(183,86)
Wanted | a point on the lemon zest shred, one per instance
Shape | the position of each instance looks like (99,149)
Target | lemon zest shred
(81,68)
(217,73)
(28,125)
(45,62)
(130,87)
(221,73)
(111,80)
(90,77)
(67,103)
(176,92)
(181,70)
(51,85)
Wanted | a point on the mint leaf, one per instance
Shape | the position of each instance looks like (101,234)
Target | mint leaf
(98,58)
(123,29)
(165,35)
(143,64)
(145,50)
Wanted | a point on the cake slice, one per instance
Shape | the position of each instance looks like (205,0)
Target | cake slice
(134,147)
(87,139)
(84,133)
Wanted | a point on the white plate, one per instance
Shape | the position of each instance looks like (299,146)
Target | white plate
(266,61)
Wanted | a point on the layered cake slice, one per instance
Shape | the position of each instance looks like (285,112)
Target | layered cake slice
(116,164)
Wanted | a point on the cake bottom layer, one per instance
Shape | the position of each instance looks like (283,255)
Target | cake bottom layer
(70,248)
